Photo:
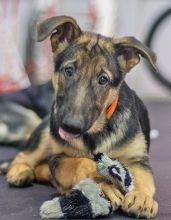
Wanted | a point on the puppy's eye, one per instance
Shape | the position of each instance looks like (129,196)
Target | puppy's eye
(69,71)
(103,79)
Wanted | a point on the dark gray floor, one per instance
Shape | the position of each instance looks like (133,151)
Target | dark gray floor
(23,204)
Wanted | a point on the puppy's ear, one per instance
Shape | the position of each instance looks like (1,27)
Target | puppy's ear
(60,28)
(129,50)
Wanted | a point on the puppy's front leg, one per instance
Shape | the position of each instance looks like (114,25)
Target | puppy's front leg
(22,169)
(68,172)
(140,201)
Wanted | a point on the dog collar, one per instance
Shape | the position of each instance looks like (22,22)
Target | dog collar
(110,110)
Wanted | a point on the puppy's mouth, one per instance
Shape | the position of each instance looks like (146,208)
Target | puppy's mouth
(65,135)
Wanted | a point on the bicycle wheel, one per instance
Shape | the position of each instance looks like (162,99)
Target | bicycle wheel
(159,75)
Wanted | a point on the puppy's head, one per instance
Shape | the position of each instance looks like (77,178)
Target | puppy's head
(89,70)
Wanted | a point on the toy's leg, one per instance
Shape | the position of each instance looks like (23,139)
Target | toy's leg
(140,201)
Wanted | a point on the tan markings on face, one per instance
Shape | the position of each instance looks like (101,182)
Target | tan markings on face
(55,108)
(96,65)
(92,40)
(86,38)
(69,62)
(101,121)
(106,44)
(61,47)
(122,62)
(79,99)
(92,43)
(99,63)
(88,70)
(55,80)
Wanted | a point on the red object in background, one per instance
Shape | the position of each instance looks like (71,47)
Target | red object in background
(12,73)
(6,85)
(93,14)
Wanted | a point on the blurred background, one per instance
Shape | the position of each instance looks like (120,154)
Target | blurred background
(24,62)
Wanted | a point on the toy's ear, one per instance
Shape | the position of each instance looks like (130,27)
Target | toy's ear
(60,28)
(129,50)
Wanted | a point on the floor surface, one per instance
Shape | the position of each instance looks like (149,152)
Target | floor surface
(19,204)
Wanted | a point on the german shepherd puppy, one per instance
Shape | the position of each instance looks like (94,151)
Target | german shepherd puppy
(93,111)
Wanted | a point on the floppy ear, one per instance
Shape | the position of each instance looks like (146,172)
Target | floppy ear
(129,49)
(60,28)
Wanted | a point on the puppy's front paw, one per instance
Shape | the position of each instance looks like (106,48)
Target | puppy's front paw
(116,199)
(139,205)
(113,194)
(20,175)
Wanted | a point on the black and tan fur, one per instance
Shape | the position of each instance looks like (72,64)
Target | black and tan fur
(89,74)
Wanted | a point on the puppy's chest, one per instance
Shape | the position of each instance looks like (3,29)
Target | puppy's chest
(116,145)
(123,139)
(88,144)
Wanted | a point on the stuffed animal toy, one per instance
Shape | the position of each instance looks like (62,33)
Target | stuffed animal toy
(114,171)
(87,200)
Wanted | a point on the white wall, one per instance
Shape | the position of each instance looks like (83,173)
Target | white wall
(135,18)
(114,17)
(130,17)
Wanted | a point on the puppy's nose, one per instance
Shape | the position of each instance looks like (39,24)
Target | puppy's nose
(72,124)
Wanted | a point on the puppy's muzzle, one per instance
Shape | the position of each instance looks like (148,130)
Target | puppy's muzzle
(71,126)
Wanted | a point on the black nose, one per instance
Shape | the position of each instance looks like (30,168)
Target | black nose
(73,124)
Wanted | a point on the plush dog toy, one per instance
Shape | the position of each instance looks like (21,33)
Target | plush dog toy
(86,199)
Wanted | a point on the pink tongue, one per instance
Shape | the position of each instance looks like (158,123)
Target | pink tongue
(66,135)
